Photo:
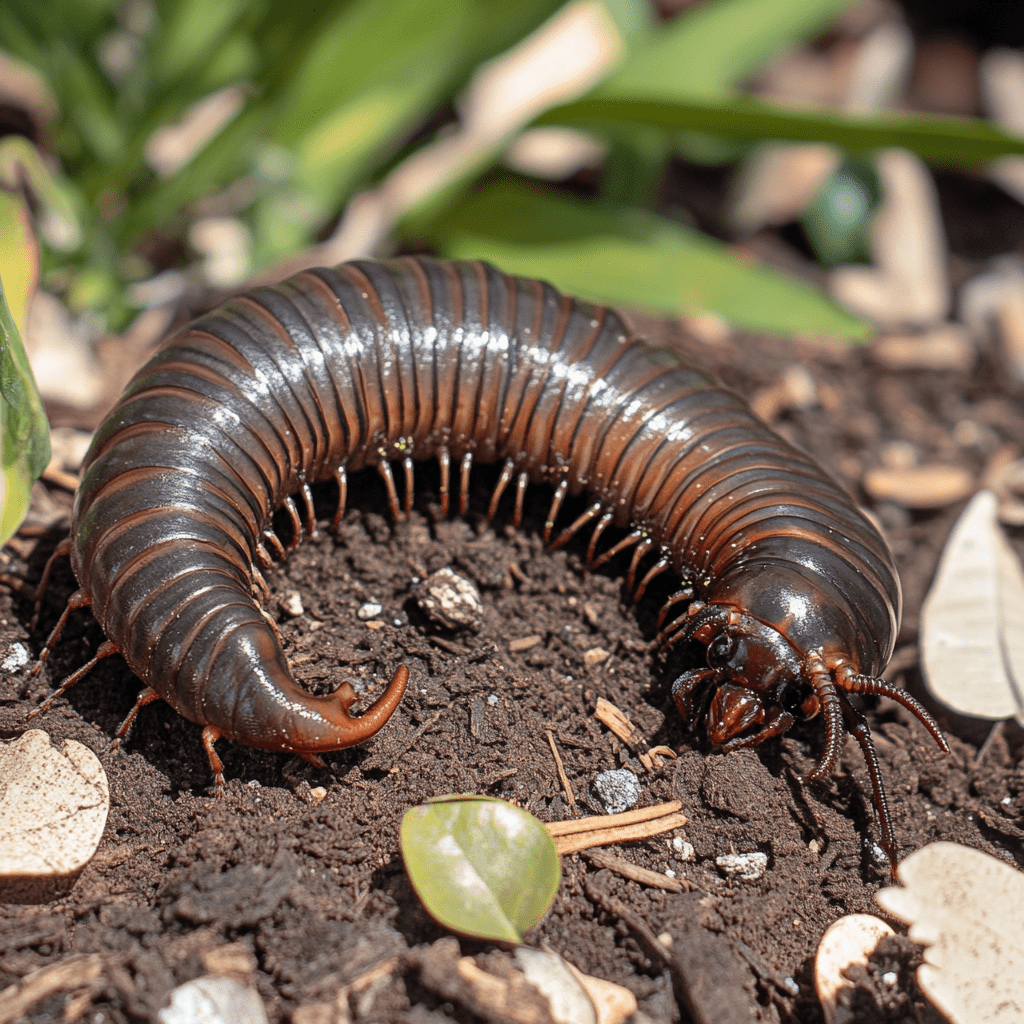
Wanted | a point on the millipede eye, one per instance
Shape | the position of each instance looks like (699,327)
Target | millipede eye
(721,650)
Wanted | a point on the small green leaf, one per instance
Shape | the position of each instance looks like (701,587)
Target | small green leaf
(932,137)
(25,444)
(628,257)
(481,866)
(839,216)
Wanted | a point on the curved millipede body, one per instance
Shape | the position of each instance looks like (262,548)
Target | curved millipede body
(791,589)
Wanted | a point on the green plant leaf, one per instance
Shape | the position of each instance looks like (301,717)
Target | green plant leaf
(25,444)
(630,257)
(707,51)
(481,866)
(957,139)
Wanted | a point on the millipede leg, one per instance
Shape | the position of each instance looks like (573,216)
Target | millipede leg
(655,570)
(499,488)
(384,468)
(602,524)
(570,531)
(627,542)
(556,506)
(77,600)
(860,731)
(407,465)
(210,736)
(62,550)
(522,482)
(260,583)
(147,695)
(270,538)
(444,462)
(642,548)
(341,479)
(684,594)
(293,515)
(464,469)
(307,507)
(105,650)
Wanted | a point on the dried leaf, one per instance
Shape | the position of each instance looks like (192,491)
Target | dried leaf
(966,908)
(972,621)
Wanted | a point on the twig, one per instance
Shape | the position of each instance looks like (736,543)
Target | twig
(602,821)
(570,796)
(636,873)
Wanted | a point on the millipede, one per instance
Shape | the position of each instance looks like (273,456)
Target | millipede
(788,586)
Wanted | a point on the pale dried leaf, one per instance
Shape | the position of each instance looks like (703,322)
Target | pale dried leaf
(972,621)
(966,908)
(848,941)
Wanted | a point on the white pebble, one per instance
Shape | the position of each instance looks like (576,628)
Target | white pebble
(291,603)
(890,978)
(213,1001)
(492,699)
(16,657)
(748,866)
(684,851)
(450,600)
(370,610)
(617,789)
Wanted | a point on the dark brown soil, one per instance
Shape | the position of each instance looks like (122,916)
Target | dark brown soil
(315,894)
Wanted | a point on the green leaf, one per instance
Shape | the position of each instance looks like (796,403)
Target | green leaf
(481,866)
(25,447)
(709,50)
(838,219)
(630,257)
(958,139)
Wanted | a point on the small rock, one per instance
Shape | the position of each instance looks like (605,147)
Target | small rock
(922,487)
(450,600)
(17,656)
(683,850)
(368,611)
(524,643)
(595,656)
(213,1001)
(748,866)
(291,603)
(618,790)
(53,808)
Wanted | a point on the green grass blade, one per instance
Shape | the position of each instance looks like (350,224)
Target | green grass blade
(632,258)
(932,137)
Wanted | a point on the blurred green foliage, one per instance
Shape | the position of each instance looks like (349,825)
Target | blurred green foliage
(306,105)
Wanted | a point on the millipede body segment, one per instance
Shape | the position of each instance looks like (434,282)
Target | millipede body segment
(791,589)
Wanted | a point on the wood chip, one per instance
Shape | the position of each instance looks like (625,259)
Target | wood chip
(524,643)
(922,487)
(69,974)
(947,347)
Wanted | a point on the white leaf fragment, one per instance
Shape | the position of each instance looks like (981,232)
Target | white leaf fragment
(848,941)
(966,908)
(972,621)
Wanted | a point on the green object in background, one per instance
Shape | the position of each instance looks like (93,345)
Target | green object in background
(24,434)
(629,257)
(482,867)
(838,220)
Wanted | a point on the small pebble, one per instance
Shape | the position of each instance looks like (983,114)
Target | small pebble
(492,699)
(919,487)
(17,656)
(665,939)
(890,978)
(291,603)
(683,850)
(450,600)
(748,866)
(370,610)
(595,656)
(524,643)
(618,790)
(213,1001)
(317,795)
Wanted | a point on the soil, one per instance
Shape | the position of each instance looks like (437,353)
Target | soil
(309,896)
